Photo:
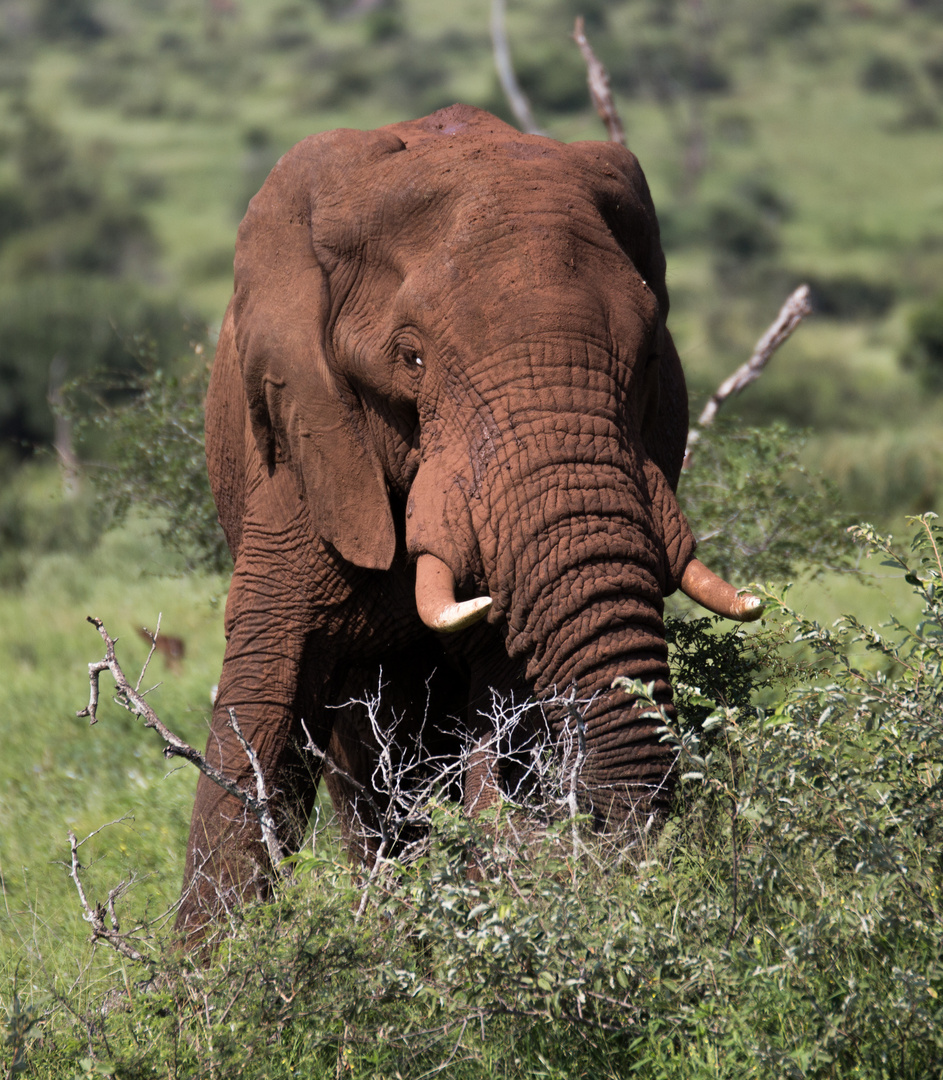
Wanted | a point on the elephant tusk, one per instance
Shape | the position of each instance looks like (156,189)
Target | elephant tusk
(435,598)
(717,595)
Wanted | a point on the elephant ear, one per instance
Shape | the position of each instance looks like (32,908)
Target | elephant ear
(303,414)
(625,202)
(665,423)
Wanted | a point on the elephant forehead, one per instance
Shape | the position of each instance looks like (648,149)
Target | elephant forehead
(470,192)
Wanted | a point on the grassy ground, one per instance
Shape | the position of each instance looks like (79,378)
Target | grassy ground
(57,773)
(786,924)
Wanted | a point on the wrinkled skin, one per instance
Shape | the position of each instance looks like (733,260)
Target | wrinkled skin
(449,338)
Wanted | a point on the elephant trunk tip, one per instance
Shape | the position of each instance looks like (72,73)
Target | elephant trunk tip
(712,592)
(435,598)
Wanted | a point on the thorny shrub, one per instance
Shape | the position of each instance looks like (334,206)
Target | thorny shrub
(786,924)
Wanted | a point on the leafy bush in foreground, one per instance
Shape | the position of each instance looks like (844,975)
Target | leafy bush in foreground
(787,924)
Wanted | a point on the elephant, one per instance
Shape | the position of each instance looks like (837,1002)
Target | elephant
(444,429)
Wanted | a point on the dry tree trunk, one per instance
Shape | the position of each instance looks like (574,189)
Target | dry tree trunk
(793,311)
(600,89)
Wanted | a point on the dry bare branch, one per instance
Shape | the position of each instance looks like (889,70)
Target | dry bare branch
(572,797)
(793,311)
(261,804)
(517,99)
(600,89)
(130,698)
(95,916)
(540,789)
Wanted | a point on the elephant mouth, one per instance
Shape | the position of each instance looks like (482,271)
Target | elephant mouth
(440,611)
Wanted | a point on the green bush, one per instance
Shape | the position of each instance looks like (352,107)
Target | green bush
(787,924)
(83,322)
(758,512)
(69,20)
(153,445)
(850,296)
(886,74)
(923,351)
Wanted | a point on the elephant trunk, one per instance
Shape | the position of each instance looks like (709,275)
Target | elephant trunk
(586,608)
(577,538)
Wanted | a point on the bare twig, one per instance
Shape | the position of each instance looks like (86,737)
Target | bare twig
(793,311)
(572,795)
(329,763)
(128,697)
(517,99)
(545,777)
(600,89)
(95,917)
(261,804)
(150,653)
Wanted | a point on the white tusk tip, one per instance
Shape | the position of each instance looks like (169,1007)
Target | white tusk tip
(459,615)
(751,607)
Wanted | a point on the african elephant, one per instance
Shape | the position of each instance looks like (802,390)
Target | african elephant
(444,372)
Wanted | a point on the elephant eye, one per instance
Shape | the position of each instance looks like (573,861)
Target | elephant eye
(410,354)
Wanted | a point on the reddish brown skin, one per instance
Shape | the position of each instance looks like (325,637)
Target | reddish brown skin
(535,451)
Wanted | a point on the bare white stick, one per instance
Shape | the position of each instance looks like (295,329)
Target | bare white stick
(600,89)
(95,917)
(793,311)
(572,795)
(153,639)
(517,99)
(261,804)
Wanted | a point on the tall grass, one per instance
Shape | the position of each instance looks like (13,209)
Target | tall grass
(56,773)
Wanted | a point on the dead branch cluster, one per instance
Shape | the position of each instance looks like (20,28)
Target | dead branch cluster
(408,785)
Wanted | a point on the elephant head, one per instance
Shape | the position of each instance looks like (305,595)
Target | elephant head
(447,350)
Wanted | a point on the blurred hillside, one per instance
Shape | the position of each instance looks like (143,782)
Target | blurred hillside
(791,141)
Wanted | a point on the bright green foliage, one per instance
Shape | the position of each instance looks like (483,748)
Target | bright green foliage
(714,666)
(19,1028)
(787,924)
(759,513)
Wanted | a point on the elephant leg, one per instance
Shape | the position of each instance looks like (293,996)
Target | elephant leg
(226,859)
(271,627)
(493,770)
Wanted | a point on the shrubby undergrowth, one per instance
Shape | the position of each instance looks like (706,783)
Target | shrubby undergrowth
(787,923)
(154,446)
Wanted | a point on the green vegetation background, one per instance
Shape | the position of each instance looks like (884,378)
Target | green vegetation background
(790,141)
